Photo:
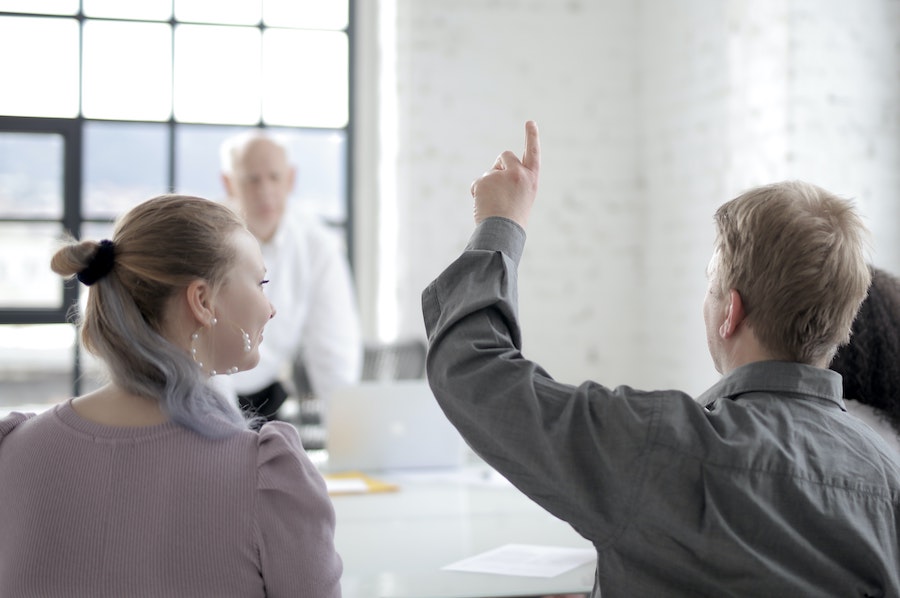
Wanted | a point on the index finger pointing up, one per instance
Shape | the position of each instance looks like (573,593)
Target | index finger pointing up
(532,157)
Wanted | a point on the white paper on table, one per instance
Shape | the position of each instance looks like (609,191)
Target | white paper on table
(525,559)
(346,485)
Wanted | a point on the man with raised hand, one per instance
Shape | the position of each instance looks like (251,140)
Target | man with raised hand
(762,486)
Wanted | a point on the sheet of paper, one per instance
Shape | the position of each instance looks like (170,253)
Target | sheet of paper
(526,560)
(346,485)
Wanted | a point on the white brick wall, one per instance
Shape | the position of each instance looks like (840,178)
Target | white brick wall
(845,108)
(652,113)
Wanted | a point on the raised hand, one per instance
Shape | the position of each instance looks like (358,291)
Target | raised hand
(509,188)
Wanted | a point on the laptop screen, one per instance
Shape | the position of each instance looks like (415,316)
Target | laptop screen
(389,425)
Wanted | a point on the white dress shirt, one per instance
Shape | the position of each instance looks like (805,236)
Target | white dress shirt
(316,318)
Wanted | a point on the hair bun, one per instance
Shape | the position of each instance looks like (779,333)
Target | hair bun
(73,257)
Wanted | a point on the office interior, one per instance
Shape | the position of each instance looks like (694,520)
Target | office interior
(651,112)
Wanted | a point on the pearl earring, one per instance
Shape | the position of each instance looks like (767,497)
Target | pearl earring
(212,323)
(248,346)
(194,337)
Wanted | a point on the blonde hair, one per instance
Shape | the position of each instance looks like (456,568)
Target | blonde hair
(795,253)
(160,247)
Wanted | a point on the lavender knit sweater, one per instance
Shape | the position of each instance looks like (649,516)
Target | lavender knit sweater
(88,510)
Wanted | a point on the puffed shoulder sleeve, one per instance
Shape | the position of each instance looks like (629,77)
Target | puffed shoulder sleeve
(9,422)
(295,519)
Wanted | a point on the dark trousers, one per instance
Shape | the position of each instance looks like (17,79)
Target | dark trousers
(264,403)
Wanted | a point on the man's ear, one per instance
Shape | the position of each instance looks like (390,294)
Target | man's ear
(228,184)
(734,314)
(292,178)
(199,300)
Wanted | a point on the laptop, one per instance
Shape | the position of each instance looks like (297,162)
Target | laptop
(389,425)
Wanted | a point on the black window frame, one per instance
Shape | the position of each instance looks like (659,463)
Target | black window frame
(72,132)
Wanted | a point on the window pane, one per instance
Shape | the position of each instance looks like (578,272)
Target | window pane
(217,75)
(150,10)
(238,12)
(31,175)
(124,164)
(36,363)
(305,76)
(43,75)
(26,280)
(197,167)
(43,7)
(96,231)
(308,14)
(320,160)
(127,70)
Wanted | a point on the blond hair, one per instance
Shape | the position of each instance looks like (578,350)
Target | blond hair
(795,253)
(160,247)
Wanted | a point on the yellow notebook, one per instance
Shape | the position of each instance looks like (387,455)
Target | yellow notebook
(355,482)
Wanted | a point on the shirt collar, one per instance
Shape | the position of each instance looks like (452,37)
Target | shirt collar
(781,377)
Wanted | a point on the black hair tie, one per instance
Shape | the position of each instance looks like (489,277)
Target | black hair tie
(100,264)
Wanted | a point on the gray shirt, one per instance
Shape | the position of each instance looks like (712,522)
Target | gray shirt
(764,486)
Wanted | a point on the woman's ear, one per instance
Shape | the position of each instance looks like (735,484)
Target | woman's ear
(199,300)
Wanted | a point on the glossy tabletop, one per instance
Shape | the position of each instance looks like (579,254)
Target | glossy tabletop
(394,544)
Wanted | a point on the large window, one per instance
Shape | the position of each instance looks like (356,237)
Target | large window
(107,103)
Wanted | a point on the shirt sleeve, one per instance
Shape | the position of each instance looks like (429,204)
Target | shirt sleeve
(576,451)
(295,519)
(331,347)
(9,422)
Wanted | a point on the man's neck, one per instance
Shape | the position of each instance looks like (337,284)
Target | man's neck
(753,352)
(743,349)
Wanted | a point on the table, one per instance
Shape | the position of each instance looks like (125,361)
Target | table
(394,544)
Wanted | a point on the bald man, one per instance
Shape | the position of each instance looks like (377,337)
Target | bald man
(309,280)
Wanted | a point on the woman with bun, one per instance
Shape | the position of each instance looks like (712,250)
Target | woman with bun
(155,484)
